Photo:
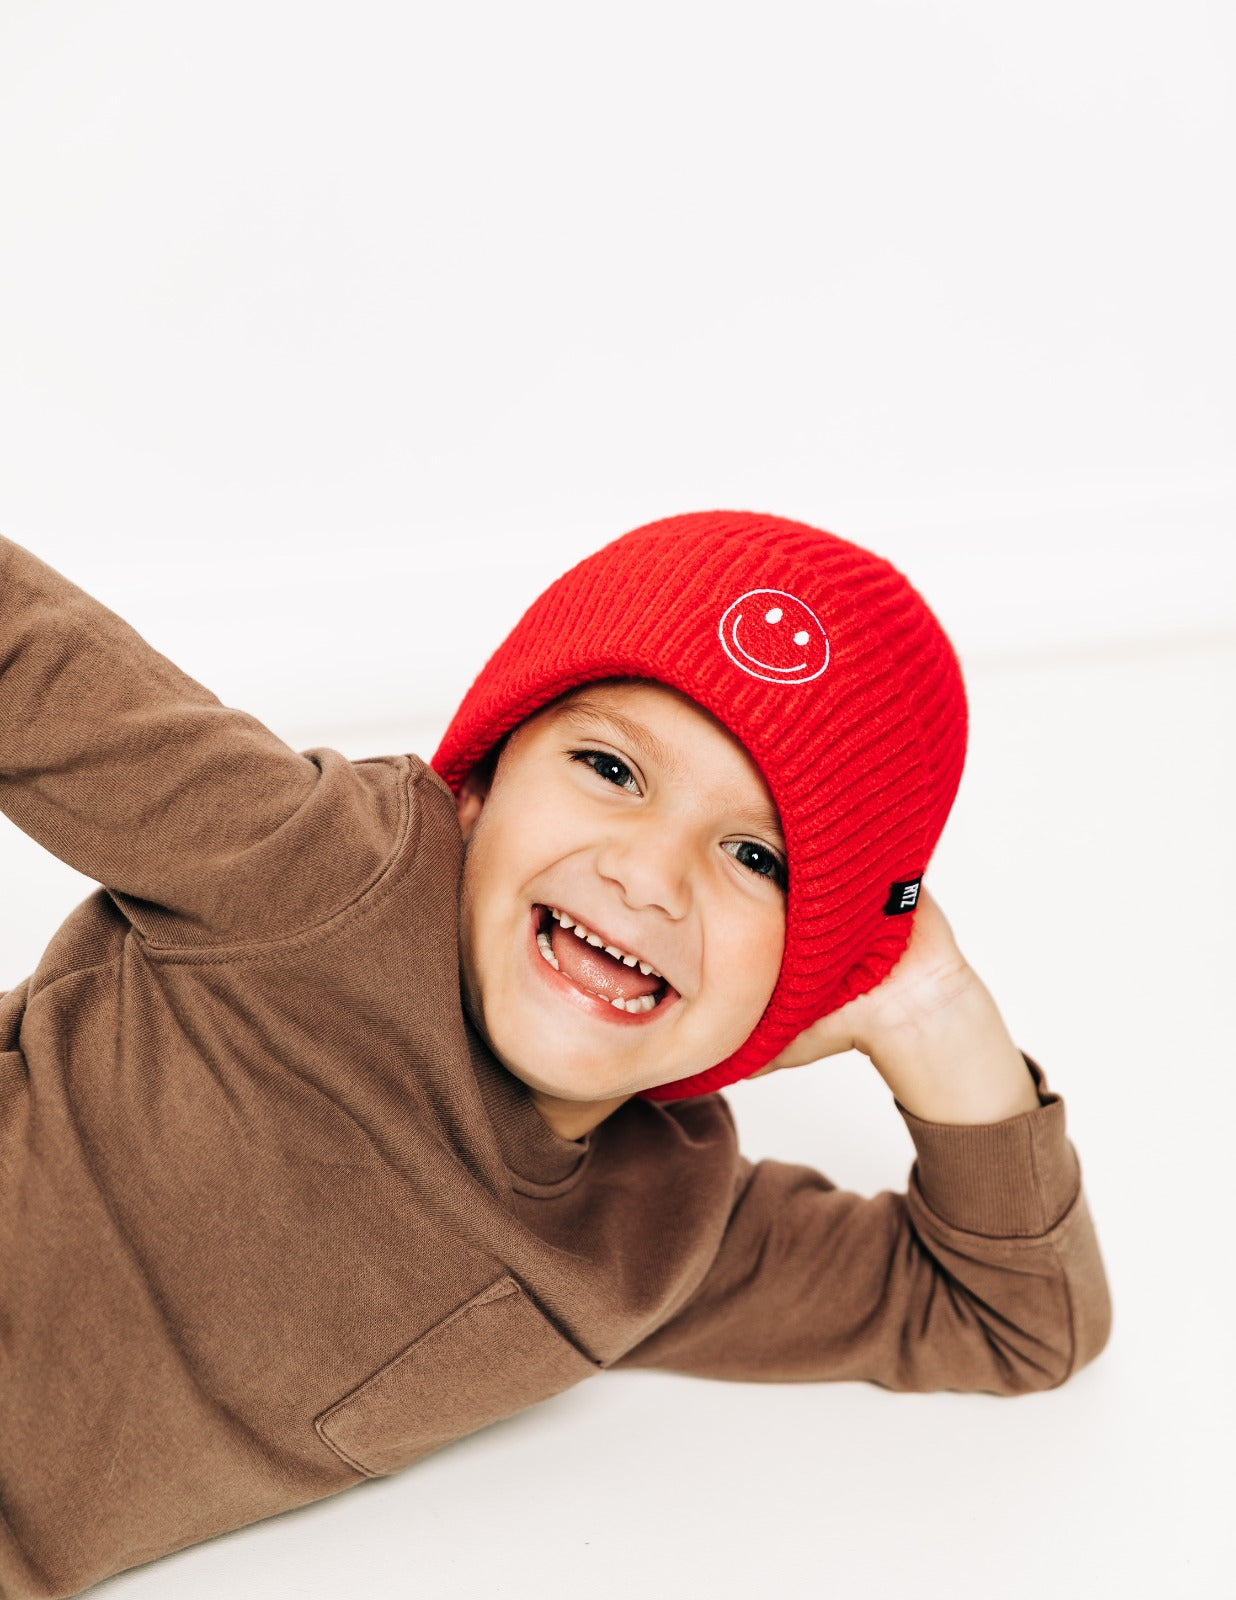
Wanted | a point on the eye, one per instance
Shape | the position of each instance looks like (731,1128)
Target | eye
(758,858)
(607,767)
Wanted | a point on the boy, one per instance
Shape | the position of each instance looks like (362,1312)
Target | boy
(370,1102)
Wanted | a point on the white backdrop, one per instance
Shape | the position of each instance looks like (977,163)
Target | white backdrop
(330,333)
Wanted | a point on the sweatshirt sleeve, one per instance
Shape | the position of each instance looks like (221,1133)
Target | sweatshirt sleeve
(986,1275)
(204,827)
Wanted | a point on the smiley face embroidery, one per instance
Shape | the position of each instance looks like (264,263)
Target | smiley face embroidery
(774,636)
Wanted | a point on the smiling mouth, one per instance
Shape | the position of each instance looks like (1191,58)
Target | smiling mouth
(629,986)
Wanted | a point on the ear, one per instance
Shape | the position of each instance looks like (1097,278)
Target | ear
(469,799)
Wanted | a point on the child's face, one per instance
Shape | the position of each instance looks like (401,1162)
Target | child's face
(632,811)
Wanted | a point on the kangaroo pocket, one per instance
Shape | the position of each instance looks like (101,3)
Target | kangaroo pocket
(493,1356)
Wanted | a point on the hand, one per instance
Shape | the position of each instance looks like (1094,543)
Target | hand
(932,1032)
(930,974)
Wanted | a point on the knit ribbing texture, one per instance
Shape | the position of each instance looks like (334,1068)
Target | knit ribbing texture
(824,662)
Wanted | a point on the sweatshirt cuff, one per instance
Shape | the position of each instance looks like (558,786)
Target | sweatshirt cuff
(1005,1180)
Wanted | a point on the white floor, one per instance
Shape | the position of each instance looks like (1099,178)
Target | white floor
(1089,872)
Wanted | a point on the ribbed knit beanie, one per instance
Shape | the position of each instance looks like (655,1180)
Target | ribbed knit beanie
(824,662)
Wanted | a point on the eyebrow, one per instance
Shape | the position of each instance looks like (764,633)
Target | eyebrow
(634,733)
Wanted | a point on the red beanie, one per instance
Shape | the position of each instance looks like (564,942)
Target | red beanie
(825,664)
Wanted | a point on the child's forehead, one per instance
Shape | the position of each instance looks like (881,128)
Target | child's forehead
(639,706)
(637,697)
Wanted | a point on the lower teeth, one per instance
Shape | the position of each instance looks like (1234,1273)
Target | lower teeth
(645,1002)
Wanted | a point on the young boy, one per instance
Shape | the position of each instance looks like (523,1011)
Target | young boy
(368,1102)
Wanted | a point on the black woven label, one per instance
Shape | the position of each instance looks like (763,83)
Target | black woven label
(902,896)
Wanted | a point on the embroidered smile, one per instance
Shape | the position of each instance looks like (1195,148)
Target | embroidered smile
(624,979)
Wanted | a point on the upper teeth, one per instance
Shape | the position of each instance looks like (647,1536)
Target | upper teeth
(593,939)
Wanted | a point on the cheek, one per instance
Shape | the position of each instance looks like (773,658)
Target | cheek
(479,889)
(467,935)
(771,966)
(516,833)
(755,957)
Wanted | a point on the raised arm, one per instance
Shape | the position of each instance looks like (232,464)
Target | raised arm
(204,825)
(985,1275)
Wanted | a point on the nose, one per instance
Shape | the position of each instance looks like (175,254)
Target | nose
(649,860)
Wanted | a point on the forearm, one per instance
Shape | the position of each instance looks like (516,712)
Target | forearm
(137,776)
(958,1064)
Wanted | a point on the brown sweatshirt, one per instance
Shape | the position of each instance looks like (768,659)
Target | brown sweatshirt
(273,1219)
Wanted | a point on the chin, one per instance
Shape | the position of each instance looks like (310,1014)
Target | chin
(566,1085)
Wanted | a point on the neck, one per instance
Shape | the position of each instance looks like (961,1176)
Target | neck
(572,1119)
